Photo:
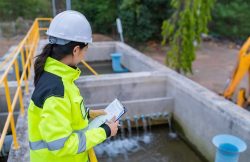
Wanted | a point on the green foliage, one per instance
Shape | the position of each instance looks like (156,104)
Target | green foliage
(142,18)
(139,19)
(101,14)
(183,30)
(29,9)
(136,21)
(231,19)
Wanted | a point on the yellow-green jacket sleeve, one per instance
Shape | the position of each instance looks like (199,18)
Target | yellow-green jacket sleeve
(57,133)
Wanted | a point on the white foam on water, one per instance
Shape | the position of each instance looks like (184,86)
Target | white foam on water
(121,146)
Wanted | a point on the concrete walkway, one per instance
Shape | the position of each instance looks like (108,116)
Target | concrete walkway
(22,154)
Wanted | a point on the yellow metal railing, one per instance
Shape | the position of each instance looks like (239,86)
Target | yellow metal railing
(26,50)
(92,156)
(89,67)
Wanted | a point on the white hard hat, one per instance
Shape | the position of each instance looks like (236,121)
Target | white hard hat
(69,26)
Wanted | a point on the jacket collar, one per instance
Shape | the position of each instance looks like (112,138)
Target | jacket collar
(62,70)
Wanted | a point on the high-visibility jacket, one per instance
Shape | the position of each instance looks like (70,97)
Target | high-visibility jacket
(57,118)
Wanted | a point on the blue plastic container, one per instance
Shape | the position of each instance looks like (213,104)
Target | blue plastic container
(228,148)
(116,63)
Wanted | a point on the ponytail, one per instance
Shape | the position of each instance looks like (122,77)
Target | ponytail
(55,51)
(40,62)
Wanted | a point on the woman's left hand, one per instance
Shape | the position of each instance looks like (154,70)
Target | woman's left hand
(95,113)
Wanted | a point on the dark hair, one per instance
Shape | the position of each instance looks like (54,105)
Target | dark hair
(55,51)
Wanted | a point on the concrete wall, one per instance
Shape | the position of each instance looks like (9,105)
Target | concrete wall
(3,103)
(203,114)
(152,87)
(100,51)
(135,60)
(142,93)
(132,59)
(12,90)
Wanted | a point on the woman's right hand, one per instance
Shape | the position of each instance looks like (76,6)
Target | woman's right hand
(113,125)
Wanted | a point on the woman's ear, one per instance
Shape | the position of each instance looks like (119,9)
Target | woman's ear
(76,51)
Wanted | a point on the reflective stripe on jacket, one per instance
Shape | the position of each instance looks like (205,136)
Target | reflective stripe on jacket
(57,119)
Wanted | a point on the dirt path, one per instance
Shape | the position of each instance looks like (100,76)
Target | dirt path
(6,43)
(212,67)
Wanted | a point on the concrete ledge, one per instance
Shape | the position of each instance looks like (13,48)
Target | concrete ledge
(143,106)
(21,154)
(135,60)
(202,114)
(100,51)
(130,86)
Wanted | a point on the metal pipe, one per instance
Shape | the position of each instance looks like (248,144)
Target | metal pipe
(119,28)
(68,4)
(54,8)
(165,114)
(135,117)
(159,115)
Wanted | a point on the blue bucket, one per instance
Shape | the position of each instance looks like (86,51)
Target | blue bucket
(116,63)
(228,148)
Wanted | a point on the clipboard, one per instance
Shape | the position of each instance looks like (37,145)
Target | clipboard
(115,108)
(121,114)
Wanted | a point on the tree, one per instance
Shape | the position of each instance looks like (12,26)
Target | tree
(183,30)
(231,19)
(142,19)
(28,9)
(100,13)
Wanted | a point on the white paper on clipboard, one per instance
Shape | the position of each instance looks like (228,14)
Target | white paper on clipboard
(115,108)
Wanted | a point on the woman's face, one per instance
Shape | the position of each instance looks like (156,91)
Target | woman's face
(78,54)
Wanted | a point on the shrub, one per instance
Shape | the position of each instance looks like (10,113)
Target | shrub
(231,19)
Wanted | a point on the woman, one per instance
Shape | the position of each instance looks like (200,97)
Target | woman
(57,117)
